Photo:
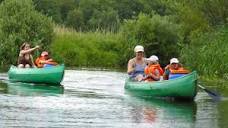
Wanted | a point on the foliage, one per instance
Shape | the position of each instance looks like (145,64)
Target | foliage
(20,22)
(86,49)
(57,9)
(215,11)
(94,15)
(157,34)
(208,53)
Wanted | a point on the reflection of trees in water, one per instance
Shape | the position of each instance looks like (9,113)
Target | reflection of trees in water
(223,114)
(3,87)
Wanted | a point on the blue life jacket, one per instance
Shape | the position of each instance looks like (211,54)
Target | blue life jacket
(48,65)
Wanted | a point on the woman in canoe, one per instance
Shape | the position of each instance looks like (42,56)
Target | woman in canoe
(174,68)
(137,64)
(153,71)
(44,60)
(25,59)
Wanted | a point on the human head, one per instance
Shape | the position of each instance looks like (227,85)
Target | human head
(25,46)
(174,62)
(153,59)
(139,50)
(44,54)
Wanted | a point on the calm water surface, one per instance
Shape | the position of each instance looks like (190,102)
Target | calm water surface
(97,99)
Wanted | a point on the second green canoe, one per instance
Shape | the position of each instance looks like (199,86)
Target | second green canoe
(182,87)
(49,75)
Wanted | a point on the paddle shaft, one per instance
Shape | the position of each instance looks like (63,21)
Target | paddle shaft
(201,87)
(208,91)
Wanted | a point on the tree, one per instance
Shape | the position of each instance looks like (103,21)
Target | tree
(19,22)
(75,20)
(157,34)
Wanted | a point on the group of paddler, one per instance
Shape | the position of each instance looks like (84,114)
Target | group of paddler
(149,69)
(139,68)
(25,59)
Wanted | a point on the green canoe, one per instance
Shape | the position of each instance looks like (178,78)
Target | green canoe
(182,87)
(49,75)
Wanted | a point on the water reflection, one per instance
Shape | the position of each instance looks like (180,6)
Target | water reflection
(29,89)
(163,113)
(223,114)
(3,87)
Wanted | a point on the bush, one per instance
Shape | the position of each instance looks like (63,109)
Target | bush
(97,49)
(208,53)
(157,34)
(20,22)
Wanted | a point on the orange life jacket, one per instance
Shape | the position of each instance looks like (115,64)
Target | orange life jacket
(40,59)
(151,69)
(180,70)
(38,62)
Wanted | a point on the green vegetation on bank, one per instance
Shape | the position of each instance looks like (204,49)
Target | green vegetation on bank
(208,53)
(20,22)
(91,49)
(103,33)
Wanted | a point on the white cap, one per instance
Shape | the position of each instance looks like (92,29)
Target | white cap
(139,48)
(174,60)
(153,58)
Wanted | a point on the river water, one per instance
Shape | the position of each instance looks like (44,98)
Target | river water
(97,99)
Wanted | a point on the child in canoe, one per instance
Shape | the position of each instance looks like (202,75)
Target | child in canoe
(174,69)
(25,59)
(44,60)
(153,71)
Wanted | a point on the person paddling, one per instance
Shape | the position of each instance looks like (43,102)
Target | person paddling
(137,64)
(44,60)
(25,59)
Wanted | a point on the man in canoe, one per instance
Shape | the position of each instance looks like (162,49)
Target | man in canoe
(44,60)
(25,59)
(153,71)
(137,64)
(174,68)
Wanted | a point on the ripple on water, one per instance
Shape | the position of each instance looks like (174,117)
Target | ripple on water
(97,99)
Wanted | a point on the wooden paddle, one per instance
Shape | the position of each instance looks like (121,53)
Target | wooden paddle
(212,94)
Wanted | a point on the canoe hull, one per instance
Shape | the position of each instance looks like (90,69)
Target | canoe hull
(50,75)
(183,87)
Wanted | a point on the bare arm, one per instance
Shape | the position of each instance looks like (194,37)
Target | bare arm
(22,52)
(33,64)
(49,61)
(130,67)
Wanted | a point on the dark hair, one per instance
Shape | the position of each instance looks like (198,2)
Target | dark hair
(23,45)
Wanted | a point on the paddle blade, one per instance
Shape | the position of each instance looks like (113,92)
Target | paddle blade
(214,95)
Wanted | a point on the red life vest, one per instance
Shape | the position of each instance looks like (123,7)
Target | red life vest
(39,63)
(151,69)
(180,70)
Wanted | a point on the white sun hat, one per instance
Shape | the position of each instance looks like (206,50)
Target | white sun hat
(139,48)
(153,58)
(174,60)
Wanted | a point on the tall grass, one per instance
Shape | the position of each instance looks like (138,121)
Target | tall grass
(90,49)
(208,54)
